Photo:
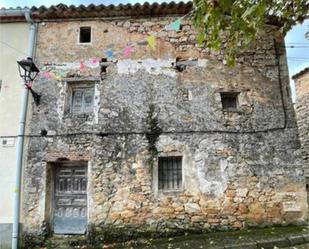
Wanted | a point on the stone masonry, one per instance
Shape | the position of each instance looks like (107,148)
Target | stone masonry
(240,168)
(302,111)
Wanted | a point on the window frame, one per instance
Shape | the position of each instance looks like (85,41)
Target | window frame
(72,87)
(79,36)
(235,95)
(156,176)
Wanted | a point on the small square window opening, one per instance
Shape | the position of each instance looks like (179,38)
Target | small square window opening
(170,173)
(229,101)
(82,99)
(85,34)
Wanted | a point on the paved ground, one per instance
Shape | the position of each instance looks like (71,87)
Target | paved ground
(254,238)
(299,247)
(267,238)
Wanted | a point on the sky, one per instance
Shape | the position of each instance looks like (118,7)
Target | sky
(298,55)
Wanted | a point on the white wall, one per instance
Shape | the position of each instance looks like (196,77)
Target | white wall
(13,47)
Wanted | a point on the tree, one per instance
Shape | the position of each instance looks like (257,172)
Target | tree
(236,23)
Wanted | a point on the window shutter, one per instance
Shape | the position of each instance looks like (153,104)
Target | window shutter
(77,100)
(88,99)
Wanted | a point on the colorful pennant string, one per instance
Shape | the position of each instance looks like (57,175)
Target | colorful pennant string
(110,53)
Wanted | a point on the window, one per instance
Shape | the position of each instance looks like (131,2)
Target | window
(85,35)
(82,99)
(170,173)
(229,101)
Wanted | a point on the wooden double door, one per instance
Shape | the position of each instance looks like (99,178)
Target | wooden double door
(70,200)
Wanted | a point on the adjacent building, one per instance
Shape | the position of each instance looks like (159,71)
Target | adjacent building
(302,112)
(13,47)
(142,131)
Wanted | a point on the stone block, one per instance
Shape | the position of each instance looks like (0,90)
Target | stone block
(192,208)
(243,209)
(296,240)
(127,214)
(271,243)
(306,237)
(249,245)
(242,192)
(197,218)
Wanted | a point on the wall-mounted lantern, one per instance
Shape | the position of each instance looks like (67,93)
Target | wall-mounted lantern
(28,71)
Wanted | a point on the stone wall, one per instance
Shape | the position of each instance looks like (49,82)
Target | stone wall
(302,111)
(239,168)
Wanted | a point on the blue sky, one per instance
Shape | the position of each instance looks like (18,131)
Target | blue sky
(298,57)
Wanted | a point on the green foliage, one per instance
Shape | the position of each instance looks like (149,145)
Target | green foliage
(233,24)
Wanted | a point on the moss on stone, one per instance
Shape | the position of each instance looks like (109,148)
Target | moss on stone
(154,130)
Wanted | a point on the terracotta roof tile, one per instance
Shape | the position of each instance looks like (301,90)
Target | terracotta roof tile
(301,73)
(62,11)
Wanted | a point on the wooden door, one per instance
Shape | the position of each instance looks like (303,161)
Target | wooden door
(70,200)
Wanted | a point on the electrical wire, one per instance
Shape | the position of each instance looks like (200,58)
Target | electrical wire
(17,50)
(124,133)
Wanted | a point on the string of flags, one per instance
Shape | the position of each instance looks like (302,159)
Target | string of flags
(57,72)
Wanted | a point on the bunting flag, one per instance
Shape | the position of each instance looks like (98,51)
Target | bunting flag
(127,51)
(174,25)
(151,42)
(81,66)
(94,61)
(47,75)
(109,53)
(57,76)
(62,74)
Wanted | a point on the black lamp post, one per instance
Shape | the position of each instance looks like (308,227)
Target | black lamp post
(28,71)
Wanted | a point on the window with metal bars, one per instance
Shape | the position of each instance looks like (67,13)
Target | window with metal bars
(170,173)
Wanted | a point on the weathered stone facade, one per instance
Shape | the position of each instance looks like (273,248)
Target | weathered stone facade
(239,168)
(302,112)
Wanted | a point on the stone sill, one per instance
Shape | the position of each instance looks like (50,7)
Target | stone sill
(170,192)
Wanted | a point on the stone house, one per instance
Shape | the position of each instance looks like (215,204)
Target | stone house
(166,140)
(302,112)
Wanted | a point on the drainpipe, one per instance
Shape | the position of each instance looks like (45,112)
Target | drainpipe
(21,127)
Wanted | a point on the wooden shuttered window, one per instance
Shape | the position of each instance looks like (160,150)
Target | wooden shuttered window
(82,100)
(170,173)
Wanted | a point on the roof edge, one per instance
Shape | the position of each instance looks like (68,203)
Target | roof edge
(300,73)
